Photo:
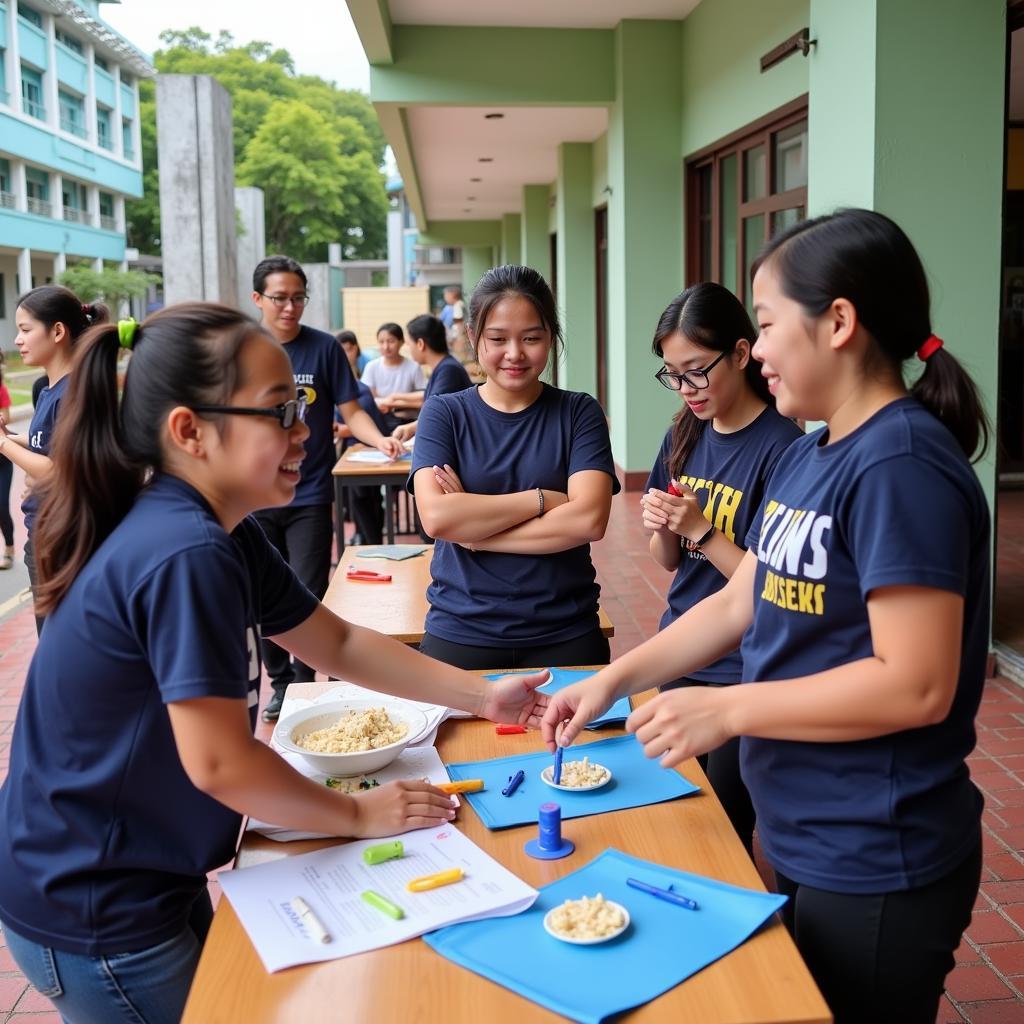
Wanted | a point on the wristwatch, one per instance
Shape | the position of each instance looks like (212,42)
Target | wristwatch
(707,536)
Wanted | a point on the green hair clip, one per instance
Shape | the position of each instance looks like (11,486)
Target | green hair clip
(126,331)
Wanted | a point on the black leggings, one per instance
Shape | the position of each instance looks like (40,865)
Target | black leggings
(6,522)
(883,958)
(722,767)
(590,649)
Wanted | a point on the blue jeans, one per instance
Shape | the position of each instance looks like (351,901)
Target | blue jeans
(148,986)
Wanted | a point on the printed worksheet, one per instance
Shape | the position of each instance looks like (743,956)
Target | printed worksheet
(331,883)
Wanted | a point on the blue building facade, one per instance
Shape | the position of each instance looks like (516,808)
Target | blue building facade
(70,145)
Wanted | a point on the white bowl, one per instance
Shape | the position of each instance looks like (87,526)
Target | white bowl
(588,942)
(320,716)
(548,776)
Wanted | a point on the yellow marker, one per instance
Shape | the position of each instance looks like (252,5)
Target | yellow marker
(435,881)
(462,786)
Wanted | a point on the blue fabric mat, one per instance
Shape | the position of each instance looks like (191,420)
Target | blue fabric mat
(563,677)
(663,945)
(636,781)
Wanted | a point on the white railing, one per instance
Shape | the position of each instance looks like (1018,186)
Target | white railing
(108,223)
(73,127)
(78,216)
(8,201)
(39,206)
(33,109)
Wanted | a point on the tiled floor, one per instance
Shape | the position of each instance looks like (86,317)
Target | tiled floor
(987,986)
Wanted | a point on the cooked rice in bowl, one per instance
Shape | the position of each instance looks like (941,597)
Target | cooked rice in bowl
(354,732)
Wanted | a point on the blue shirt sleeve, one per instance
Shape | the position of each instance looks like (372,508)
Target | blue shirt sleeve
(908,524)
(284,601)
(339,373)
(591,446)
(435,439)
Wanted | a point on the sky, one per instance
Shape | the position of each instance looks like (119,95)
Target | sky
(320,35)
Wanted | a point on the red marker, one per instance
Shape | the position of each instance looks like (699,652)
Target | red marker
(673,489)
(509,730)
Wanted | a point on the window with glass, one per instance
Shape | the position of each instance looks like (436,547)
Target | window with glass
(108,219)
(740,192)
(37,189)
(70,42)
(30,14)
(72,113)
(126,139)
(6,194)
(102,63)
(4,98)
(103,135)
(32,93)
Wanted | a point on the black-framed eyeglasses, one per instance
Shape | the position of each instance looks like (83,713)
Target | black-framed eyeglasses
(287,413)
(695,378)
(280,301)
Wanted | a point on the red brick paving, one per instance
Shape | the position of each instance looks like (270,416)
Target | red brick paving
(987,985)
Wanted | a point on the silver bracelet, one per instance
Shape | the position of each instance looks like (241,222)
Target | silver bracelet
(540,503)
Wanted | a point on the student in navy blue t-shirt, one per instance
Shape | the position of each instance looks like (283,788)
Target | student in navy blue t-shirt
(863,604)
(132,757)
(514,479)
(50,319)
(302,531)
(717,456)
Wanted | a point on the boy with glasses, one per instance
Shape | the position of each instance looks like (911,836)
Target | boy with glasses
(302,531)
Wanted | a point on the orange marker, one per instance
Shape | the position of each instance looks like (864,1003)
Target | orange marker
(462,786)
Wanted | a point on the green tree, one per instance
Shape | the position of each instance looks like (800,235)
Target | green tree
(109,285)
(263,85)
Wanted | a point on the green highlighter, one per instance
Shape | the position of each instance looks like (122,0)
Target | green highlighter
(383,905)
(382,852)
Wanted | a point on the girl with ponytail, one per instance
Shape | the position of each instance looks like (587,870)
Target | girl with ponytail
(863,607)
(50,319)
(708,481)
(133,757)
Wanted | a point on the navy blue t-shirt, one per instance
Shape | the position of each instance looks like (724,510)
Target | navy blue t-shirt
(728,473)
(369,403)
(494,599)
(446,378)
(40,435)
(895,503)
(323,372)
(106,841)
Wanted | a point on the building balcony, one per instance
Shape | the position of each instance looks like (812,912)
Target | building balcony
(129,153)
(33,109)
(39,207)
(67,125)
(106,143)
(77,216)
(108,223)
(8,201)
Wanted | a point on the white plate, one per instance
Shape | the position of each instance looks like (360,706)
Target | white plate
(548,776)
(588,942)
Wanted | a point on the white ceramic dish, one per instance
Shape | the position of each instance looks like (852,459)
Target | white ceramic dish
(588,942)
(548,776)
(320,716)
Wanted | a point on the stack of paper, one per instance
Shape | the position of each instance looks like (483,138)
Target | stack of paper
(394,552)
(372,455)
(332,881)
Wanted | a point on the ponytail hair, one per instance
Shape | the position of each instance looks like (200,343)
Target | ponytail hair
(866,258)
(709,315)
(104,450)
(52,304)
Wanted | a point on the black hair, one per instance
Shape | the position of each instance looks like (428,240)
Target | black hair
(709,315)
(393,329)
(276,265)
(347,337)
(52,304)
(864,257)
(511,281)
(104,449)
(431,330)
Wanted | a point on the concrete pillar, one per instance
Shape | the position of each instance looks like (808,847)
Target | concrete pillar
(18,184)
(535,247)
(645,261)
(396,250)
(252,242)
(115,128)
(576,281)
(511,239)
(97,264)
(476,261)
(50,74)
(197,197)
(60,264)
(24,271)
(12,55)
(122,223)
(56,196)
(137,125)
(92,199)
(901,121)
(91,131)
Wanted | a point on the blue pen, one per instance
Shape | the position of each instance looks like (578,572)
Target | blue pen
(513,783)
(664,894)
(557,776)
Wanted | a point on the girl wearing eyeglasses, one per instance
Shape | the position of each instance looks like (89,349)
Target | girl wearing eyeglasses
(863,607)
(716,457)
(133,757)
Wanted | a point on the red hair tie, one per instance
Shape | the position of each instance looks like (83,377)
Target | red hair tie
(930,346)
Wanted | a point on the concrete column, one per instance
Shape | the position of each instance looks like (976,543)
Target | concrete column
(60,264)
(901,121)
(252,243)
(122,223)
(476,261)
(115,128)
(645,208)
(137,125)
(24,271)
(197,189)
(13,58)
(511,239)
(535,247)
(18,184)
(90,95)
(97,264)
(396,250)
(92,199)
(575,256)
(50,74)
(56,196)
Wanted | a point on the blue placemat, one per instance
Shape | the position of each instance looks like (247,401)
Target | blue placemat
(396,552)
(636,781)
(663,945)
(563,677)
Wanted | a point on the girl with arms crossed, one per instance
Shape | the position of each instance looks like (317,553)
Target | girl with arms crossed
(133,757)
(865,601)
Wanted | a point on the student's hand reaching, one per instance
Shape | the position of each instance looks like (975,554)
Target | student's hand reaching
(391,447)
(404,431)
(572,708)
(683,723)
(681,514)
(400,807)
(513,700)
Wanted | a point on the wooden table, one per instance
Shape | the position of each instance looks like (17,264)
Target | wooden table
(347,473)
(763,981)
(399,608)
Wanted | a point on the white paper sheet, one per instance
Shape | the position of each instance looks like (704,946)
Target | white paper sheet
(331,882)
(372,455)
